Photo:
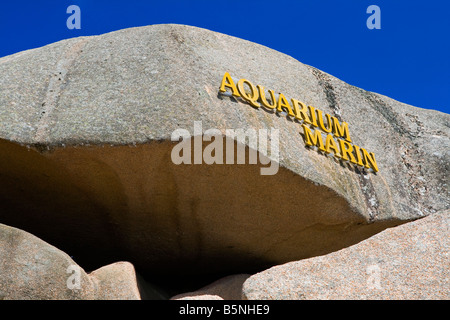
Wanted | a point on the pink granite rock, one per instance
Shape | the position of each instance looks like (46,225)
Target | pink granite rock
(410,261)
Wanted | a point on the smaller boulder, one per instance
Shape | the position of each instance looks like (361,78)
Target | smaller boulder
(227,288)
(407,262)
(31,269)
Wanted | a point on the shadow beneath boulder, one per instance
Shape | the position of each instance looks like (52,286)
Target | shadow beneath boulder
(182,226)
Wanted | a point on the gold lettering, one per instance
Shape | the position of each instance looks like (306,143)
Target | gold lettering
(227,82)
(331,144)
(311,116)
(358,161)
(300,113)
(253,96)
(313,140)
(369,160)
(346,150)
(312,113)
(341,131)
(262,98)
(284,104)
(321,125)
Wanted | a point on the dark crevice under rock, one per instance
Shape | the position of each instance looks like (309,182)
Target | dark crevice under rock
(182,226)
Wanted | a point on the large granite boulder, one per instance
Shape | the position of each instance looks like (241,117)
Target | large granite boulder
(85,155)
(410,261)
(31,269)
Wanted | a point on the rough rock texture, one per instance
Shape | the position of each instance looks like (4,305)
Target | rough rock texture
(200,297)
(410,261)
(117,281)
(227,288)
(85,128)
(31,269)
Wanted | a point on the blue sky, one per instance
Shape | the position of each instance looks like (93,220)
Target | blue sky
(408,59)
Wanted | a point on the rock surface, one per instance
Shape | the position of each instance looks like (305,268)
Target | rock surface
(410,261)
(200,297)
(227,288)
(31,269)
(85,127)
(116,281)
